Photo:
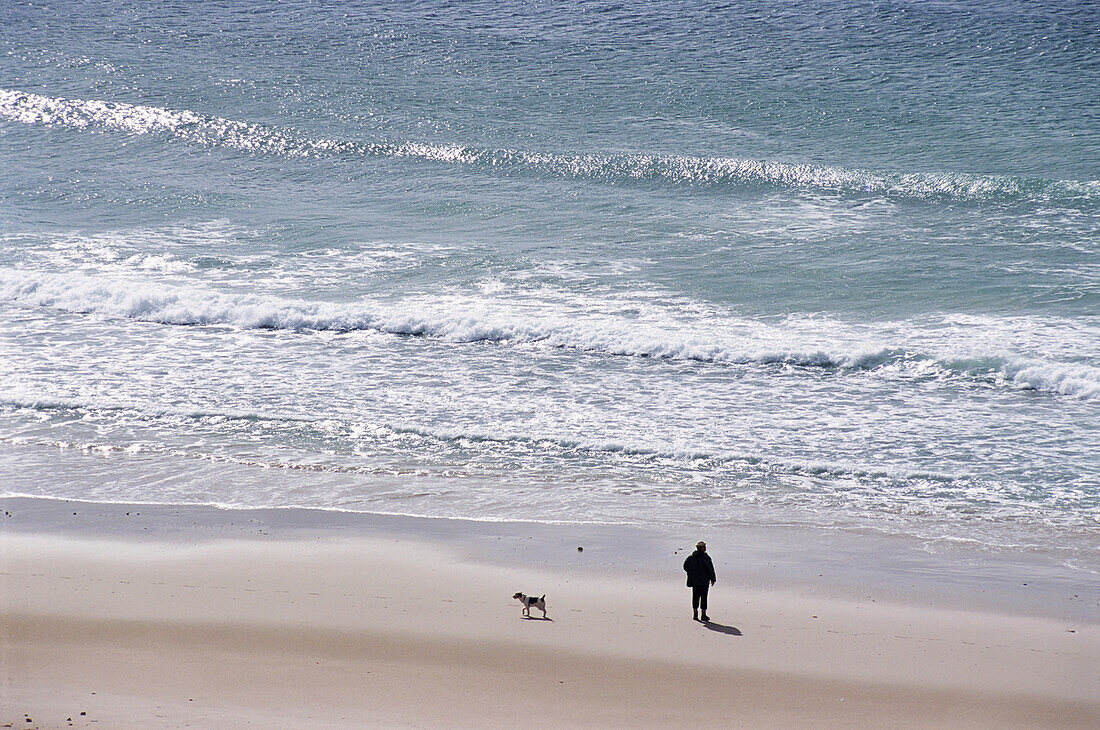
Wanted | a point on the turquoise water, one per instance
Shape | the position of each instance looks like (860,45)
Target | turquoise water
(668,264)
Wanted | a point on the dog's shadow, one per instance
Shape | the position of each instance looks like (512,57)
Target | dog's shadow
(722,628)
(537,618)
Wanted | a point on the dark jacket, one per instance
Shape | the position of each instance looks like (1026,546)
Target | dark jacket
(699,569)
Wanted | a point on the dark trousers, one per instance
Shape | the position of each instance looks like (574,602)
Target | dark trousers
(699,597)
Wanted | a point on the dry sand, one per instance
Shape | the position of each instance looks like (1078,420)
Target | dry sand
(387,632)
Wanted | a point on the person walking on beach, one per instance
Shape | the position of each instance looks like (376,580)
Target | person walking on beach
(700,572)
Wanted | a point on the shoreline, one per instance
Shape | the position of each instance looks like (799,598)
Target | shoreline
(840,564)
(262,625)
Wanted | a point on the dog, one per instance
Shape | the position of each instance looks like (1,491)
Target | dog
(528,601)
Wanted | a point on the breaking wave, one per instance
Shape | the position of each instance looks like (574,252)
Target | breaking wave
(813,343)
(212,131)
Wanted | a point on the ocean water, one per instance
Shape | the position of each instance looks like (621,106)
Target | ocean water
(676,264)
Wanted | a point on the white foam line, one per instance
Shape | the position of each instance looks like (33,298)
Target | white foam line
(817,343)
(29,108)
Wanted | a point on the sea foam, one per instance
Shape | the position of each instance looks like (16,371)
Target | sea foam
(965,351)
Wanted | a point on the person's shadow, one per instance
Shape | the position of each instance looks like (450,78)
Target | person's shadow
(722,628)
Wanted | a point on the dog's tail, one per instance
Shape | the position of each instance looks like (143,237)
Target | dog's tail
(543,597)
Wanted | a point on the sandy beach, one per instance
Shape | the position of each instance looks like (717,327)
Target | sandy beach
(211,627)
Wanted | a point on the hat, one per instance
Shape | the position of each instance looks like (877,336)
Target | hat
(700,544)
